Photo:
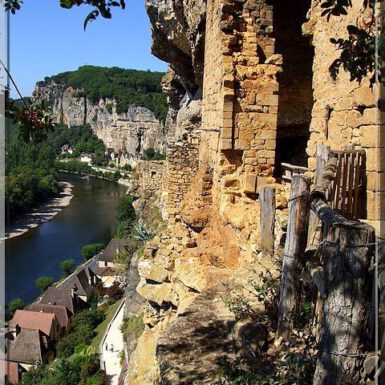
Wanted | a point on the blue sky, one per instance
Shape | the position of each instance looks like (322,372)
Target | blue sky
(47,39)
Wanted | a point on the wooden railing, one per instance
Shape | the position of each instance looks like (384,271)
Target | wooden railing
(346,190)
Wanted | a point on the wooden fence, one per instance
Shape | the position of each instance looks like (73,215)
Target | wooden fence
(346,191)
(338,258)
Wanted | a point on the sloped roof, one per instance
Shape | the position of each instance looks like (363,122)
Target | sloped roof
(112,249)
(26,347)
(60,312)
(27,319)
(79,282)
(105,272)
(59,296)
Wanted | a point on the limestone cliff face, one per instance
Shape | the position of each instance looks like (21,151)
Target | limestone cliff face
(128,133)
(178,33)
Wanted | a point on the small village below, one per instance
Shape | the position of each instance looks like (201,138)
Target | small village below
(33,333)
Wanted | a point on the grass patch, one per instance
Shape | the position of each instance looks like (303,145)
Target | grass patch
(101,328)
(133,325)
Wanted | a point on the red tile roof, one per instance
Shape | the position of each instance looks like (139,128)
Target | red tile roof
(26,319)
(60,312)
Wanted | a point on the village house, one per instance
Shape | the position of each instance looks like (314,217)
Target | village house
(107,262)
(86,158)
(82,283)
(46,323)
(60,311)
(24,351)
(61,297)
(67,149)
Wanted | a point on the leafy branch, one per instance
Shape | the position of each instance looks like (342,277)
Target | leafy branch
(358,51)
(335,8)
(101,7)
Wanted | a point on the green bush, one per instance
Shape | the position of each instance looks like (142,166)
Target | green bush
(122,230)
(151,154)
(81,370)
(43,283)
(88,251)
(125,210)
(82,333)
(132,326)
(15,304)
(67,266)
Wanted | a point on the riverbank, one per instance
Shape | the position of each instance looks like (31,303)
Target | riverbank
(121,181)
(41,214)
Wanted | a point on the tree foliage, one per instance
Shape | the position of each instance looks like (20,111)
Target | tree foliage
(125,210)
(359,51)
(80,139)
(151,154)
(82,332)
(43,283)
(88,251)
(15,304)
(99,7)
(81,370)
(67,266)
(30,172)
(127,87)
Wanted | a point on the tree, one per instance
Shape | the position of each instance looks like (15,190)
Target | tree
(100,7)
(67,266)
(359,51)
(43,283)
(88,251)
(15,304)
(125,210)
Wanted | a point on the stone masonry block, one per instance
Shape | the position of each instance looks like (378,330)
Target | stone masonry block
(242,144)
(226,144)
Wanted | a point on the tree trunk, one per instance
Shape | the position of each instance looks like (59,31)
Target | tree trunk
(267,220)
(347,254)
(314,223)
(295,245)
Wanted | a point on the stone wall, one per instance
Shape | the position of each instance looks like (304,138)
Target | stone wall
(181,167)
(345,111)
(150,174)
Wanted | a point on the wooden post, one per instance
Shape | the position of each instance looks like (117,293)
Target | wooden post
(347,253)
(295,245)
(314,233)
(267,220)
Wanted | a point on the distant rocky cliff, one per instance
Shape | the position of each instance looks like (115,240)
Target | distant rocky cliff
(128,133)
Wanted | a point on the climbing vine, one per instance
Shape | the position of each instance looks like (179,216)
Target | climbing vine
(359,50)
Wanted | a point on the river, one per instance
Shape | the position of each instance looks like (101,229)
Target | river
(89,218)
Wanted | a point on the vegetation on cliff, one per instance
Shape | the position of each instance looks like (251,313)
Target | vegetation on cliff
(31,168)
(31,177)
(127,87)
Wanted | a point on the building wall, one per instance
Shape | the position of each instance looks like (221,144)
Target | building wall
(266,89)
(346,108)
(181,166)
(150,174)
(12,372)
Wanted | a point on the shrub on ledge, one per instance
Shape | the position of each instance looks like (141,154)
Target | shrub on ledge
(89,251)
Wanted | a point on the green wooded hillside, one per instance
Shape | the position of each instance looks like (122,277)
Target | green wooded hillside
(127,87)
